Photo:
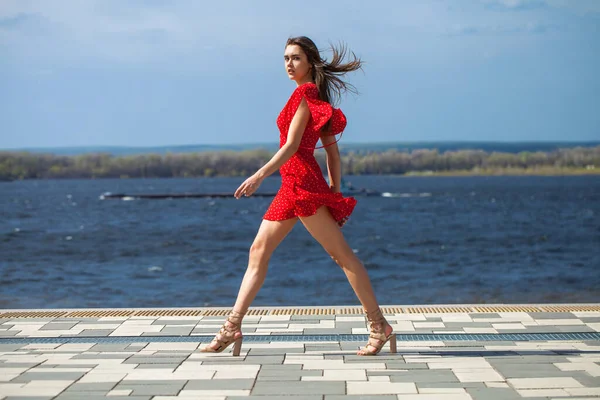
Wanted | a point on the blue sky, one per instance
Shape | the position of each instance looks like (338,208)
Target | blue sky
(150,72)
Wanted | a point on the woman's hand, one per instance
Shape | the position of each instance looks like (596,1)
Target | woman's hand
(249,186)
(335,189)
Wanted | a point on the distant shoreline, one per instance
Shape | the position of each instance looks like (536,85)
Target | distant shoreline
(509,172)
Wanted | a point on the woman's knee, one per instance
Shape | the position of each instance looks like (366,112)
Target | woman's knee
(259,252)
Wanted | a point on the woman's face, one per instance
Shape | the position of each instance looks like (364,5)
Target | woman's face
(296,64)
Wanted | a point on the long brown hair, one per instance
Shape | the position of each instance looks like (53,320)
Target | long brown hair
(326,74)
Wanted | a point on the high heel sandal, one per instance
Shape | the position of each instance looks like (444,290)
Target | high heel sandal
(226,335)
(377,336)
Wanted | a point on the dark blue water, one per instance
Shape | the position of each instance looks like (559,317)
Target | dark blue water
(440,241)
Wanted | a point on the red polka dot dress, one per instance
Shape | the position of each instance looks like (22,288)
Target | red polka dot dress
(303,187)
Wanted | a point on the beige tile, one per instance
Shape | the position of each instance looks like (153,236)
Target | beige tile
(380,387)
(544,383)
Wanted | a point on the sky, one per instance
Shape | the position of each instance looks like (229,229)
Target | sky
(154,73)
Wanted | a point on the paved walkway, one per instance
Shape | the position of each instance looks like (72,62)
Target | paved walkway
(309,357)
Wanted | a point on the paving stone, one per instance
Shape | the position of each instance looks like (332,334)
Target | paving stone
(276,397)
(272,352)
(360,397)
(265,360)
(529,370)
(493,394)
(590,319)
(150,389)
(403,365)
(58,326)
(28,398)
(153,366)
(95,332)
(575,328)
(154,360)
(322,347)
(460,325)
(284,367)
(219,384)
(327,331)
(473,385)
(424,376)
(110,347)
(311,317)
(85,387)
(296,388)
(47,376)
(77,396)
(168,322)
(101,356)
(177,331)
(9,347)
(552,315)
(483,315)
(273,375)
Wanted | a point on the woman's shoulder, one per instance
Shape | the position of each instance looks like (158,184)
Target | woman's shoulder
(308,89)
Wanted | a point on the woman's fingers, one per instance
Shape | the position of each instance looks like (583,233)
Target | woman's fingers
(246,189)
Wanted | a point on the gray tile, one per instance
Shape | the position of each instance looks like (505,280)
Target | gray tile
(361,397)
(111,347)
(96,332)
(575,328)
(286,367)
(150,389)
(474,385)
(287,374)
(553,315)
(424,376)
(493,394)
(151,366)
(298,388)
(484,315)
(47,376)
(90,387)
(264,360)
(219,384)
(276,397)
(59,326)
(99,356)
(154,360)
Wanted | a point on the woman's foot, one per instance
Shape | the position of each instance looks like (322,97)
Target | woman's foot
(230,332)
(380,332)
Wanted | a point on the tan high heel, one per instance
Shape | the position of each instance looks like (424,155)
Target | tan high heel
(226,335)
(377,336)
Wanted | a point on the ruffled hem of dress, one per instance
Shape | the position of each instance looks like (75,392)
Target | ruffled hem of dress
(339,206)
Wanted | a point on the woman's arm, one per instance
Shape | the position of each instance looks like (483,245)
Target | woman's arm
(286,151)
(334,165)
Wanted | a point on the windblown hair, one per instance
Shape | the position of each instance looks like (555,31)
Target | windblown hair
(326,74)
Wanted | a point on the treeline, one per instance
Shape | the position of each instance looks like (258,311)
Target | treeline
(24,165)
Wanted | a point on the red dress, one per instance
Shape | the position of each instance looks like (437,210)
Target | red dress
(303,188)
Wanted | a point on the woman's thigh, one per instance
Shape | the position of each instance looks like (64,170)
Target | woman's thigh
(271,234)
(326,231)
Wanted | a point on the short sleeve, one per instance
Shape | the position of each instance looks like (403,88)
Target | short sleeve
(320,111)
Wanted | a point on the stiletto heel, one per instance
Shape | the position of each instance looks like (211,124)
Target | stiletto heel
(377,335)
(227,335)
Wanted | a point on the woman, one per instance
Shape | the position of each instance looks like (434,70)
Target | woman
(304,193)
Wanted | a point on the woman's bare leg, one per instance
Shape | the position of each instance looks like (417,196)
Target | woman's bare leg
(326,231)
(269,236)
